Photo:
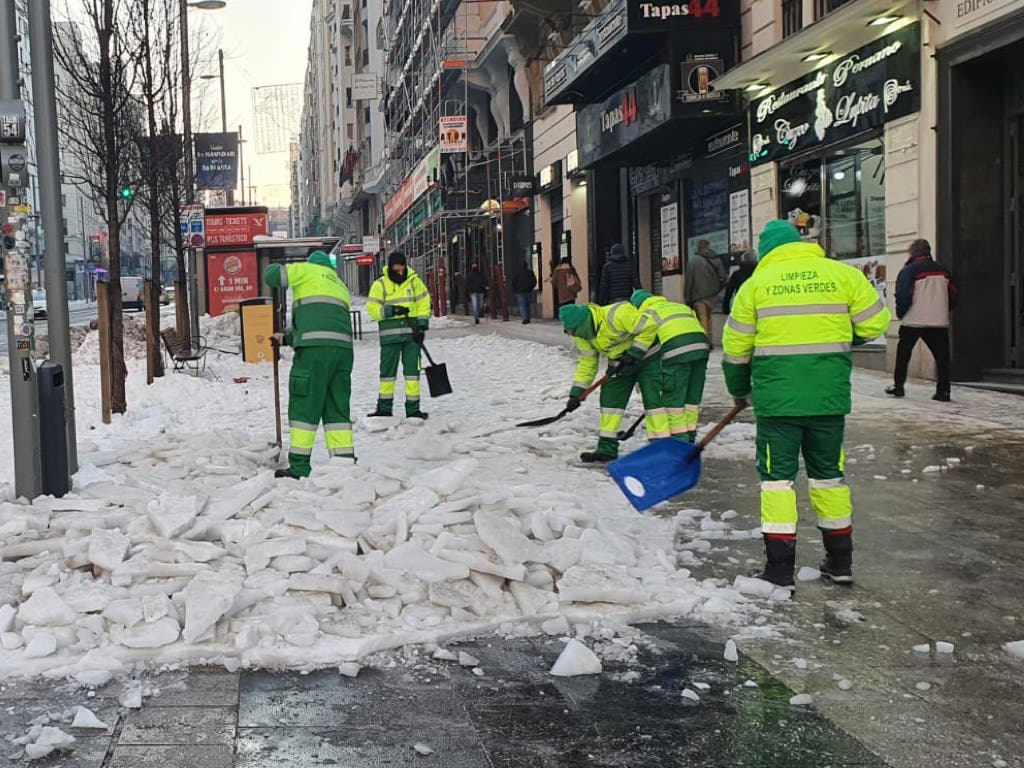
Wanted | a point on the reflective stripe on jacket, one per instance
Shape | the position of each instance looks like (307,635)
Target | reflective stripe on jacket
(793,324)
(617,334)
(320,304)
(411,293)
(680,334)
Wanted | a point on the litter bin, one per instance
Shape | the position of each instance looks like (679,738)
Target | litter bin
(53,429)
(257,317)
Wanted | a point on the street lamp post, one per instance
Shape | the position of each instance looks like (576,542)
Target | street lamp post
(186,113)
(223,109)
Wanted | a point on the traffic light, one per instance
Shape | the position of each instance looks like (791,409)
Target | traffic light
(127,193)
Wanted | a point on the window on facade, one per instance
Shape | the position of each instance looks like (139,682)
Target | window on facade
(348,98)
(792,17)
(823,7)
(348,55)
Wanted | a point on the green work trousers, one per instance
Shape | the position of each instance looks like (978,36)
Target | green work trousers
(682,390)
(615,394)
(319,389)
(780,442)
(408,353)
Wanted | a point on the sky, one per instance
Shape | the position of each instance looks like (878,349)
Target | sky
(265,43)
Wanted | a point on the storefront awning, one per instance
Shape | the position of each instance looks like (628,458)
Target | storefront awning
(844,30)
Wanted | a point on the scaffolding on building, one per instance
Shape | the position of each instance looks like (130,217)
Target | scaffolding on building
(431,51)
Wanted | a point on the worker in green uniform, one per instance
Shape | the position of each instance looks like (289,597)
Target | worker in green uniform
(400,303)
(617,332)
(788,344)
(684,360)
(320,383)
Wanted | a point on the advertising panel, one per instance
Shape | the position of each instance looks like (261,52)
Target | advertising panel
(216,160)
(230,278)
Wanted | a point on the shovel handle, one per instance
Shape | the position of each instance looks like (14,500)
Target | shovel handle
(591,389)
(725,422)
(422,346)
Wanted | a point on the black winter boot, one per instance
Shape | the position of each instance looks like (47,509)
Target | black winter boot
(837,566)
(417,415)
(895,391)
(781,561)
(377,413)
(287,473)
(593,457)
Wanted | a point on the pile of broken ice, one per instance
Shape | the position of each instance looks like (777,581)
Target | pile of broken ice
(186,562)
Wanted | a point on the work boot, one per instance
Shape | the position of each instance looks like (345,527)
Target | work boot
(418,415)
(942,397)
(593,457)
(780,562)
(287,473)
(476,320)
(895,391)
(837,566)
(378,412)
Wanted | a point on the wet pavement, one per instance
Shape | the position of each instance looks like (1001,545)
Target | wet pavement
(515,714)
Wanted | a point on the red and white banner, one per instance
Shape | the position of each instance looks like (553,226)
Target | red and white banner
(235,229)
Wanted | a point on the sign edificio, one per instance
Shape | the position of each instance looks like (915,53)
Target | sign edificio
(452,131)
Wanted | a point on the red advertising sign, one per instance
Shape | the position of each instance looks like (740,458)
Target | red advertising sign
(235,229)
(231,278)
(364,261)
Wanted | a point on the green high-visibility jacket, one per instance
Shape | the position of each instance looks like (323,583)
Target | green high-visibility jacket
(617,335)
(412,293)
(680,334)
(320,304)
(789,338)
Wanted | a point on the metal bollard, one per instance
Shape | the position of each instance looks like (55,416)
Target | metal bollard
(53,434)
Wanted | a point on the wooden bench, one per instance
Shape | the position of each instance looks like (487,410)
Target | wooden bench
(185,354)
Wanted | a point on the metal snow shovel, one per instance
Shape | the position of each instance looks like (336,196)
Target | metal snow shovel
(665,468)
(437,373)
(624,436)
(552,419)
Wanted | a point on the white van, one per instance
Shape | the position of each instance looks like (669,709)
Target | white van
(131,293)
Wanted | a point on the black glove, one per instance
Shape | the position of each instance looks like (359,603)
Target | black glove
(419,334)
(625,366)
(400,311)
(573,404)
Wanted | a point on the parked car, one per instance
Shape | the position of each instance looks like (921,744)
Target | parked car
(39,303)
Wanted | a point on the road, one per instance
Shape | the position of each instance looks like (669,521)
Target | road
(80,314)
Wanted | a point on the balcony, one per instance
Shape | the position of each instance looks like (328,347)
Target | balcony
(792,17)
(825,7)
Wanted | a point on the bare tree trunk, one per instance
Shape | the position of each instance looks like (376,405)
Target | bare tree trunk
(154,362)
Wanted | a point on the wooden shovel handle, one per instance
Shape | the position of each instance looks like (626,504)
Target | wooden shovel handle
(725,422)
(590,390)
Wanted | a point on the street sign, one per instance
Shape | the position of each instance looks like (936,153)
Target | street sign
(12,122)
(193,225)
(13,161)
(371,244)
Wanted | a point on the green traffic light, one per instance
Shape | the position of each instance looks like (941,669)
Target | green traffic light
(127,193)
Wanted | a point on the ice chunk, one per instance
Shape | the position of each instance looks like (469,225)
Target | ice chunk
(701,686)
(752,587)
(312,582)
(555,627)
(11,641)
(131,697)
(350,523)
(127,612)
(691,695)
(800,663)
(42,645)
(505,537)
(208,597)
(801,700)
(7,614)
(576,659)
(422,749)
(455,594)
(731,654)
(441,654)
(411,558)
(593,583)
(923,648)
(155,607)
(349,669)
(448,478)
(172,515)
(46,609)
(107,549)
(1015,648)
(259,555)
(943,647)
(844,684)
(412,503)
(86,719)
(923,686)
(466,660)
(478,561)
(94,678)
(808,574)
(932,468)
(155,635)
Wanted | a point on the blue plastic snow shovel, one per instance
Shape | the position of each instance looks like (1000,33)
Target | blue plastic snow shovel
(665,468)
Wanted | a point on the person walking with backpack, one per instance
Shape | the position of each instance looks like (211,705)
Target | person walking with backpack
(788,344)
(567,282)
(705,278)
(320,382)
(925,295)
(617,279)
(400,303)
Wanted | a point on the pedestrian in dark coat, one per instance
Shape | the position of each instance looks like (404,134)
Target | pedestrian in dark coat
(523,284)
(617,279)
(476,286)
(748,263)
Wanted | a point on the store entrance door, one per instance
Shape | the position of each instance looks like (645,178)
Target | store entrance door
(1015,240)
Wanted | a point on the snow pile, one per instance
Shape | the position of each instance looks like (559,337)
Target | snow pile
(88,351)
(179,546)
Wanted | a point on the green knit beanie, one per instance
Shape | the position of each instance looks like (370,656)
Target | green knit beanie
(320,258)
(573,316)
(776,232)
(639,297)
